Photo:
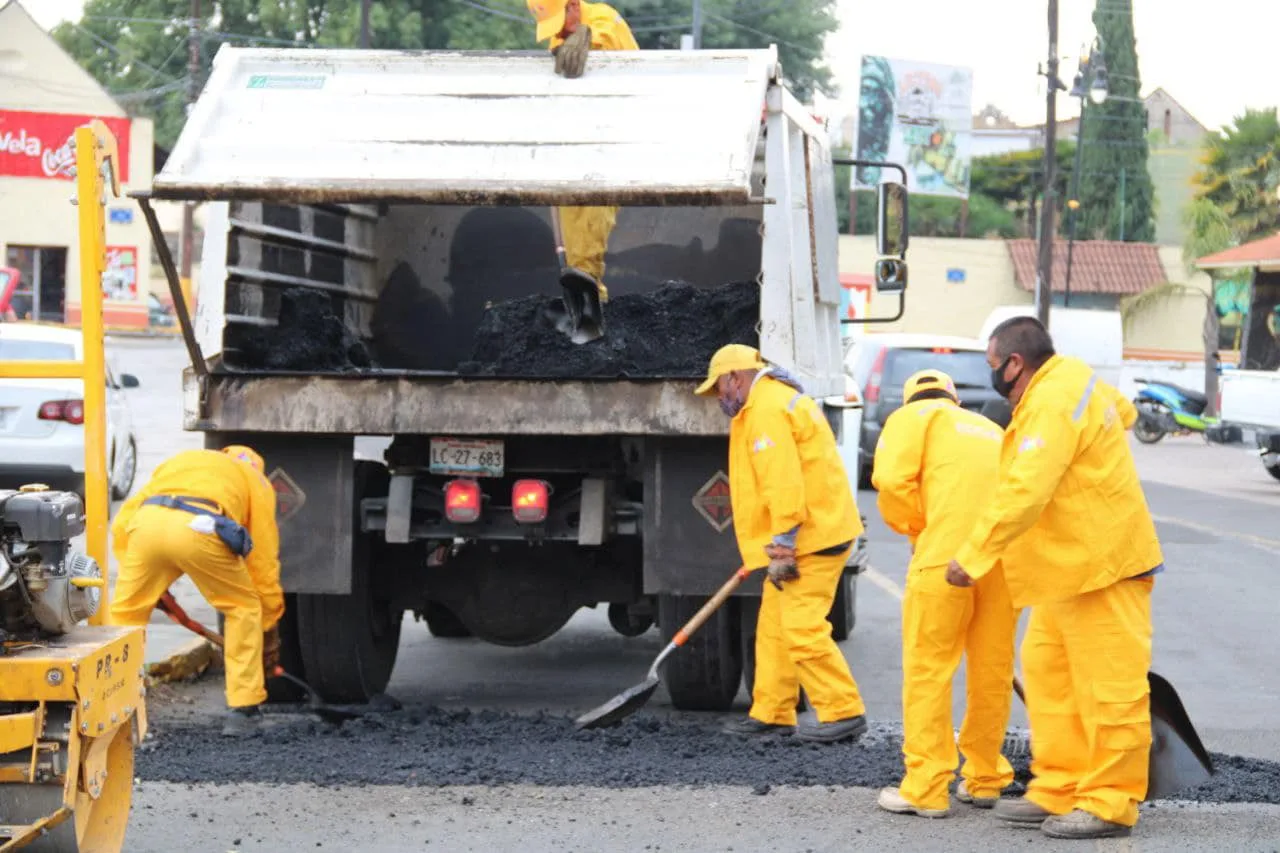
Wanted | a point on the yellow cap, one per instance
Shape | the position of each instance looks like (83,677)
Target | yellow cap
(244,454)
(550,16)
(728,359)
(925,380)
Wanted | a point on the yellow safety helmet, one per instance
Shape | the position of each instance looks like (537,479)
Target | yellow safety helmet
(728,359)
(550,16)
(928,380)
(245,454)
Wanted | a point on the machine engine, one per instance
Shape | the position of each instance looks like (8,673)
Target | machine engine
(45,587)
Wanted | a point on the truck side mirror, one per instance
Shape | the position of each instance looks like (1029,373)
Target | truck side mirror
(892,224)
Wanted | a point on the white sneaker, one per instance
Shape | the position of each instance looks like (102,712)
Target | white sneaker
(891,801)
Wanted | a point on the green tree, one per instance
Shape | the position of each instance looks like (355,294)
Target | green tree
(1238,175)
(1116,195)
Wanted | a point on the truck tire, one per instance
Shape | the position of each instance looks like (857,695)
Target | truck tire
(703,675)
(843,615)
(443,622)
(1274,471)
(750,610)
(282,689)
(349,642)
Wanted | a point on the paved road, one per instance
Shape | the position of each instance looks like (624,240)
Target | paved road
(1214,609)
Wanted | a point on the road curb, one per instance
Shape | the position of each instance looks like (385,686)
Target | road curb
(189,661)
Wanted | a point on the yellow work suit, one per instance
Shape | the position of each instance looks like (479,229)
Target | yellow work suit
(586,230)
(934,465)
(785,475)
(1071,526)
(155,545)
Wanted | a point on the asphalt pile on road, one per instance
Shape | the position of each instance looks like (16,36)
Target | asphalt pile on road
(433,747)
(670,332)
(308,335)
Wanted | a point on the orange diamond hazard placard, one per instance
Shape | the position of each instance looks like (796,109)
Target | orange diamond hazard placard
(712,502)
(289,495)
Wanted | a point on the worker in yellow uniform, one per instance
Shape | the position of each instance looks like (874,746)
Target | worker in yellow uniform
(575,29)
(209,515)
(794,516)
(1071,526)
(934,463)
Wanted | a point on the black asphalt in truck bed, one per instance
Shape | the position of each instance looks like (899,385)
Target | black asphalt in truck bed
(424,746)
(670,332)
(308,335)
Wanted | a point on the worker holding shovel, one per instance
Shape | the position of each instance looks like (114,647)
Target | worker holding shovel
(933,462)
(794,516)
(574,30)
(209,515)
(1070,524)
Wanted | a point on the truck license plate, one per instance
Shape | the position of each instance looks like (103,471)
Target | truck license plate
(453,457)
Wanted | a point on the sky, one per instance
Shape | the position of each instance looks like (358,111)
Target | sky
(1003,41)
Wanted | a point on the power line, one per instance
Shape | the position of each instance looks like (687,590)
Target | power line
(770,36)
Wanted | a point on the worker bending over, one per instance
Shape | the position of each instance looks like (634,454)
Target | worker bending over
(575,29)
(794,514)
(210,515)
(934,463)
(1079,548)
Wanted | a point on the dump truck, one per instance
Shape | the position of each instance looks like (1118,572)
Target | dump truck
(407,195)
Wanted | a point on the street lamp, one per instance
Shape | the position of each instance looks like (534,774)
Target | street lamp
(1091,83)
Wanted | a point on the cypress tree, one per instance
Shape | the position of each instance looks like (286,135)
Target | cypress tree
(1115,140)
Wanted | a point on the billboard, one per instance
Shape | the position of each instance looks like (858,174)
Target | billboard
(920,115)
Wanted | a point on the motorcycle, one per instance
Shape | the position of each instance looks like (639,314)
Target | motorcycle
(1168,409)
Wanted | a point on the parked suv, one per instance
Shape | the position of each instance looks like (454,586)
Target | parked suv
(878,364)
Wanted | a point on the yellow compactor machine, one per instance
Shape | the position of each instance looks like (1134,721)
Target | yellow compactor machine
(71,694)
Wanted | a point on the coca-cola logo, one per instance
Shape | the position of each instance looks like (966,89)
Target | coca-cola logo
(54,162)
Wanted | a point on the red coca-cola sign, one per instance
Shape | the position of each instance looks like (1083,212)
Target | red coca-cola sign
(38,145)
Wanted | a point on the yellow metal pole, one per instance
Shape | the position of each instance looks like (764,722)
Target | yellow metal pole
(41,369)
(90,191)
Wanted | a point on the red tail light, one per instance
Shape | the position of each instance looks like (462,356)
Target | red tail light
(529,500)
(71,411)
(462,501)
(871,394)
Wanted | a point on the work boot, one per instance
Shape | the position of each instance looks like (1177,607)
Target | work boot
(751,727)
(963,795)
(891,800)
(241,722)
(1021,811)
(1081,824)
(834,732)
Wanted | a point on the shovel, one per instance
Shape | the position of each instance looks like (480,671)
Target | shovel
(1178,759)
(628,702)
(581,318)
(331,713)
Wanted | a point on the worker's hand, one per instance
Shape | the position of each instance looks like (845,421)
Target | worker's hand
(782,564)
(270,651)
(956,575)
(571,57)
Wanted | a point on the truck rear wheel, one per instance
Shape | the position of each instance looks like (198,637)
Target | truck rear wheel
(349,642)
(1274,471)
(282,689)
(842,615)
(703,675)
(443,622)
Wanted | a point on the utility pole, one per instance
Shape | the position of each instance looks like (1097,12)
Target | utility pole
(1044,280)
(188,208)
(364,23)
(697,24)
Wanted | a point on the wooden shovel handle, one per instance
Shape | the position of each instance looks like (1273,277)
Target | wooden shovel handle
(1017,688)
(712,605)
(174,610)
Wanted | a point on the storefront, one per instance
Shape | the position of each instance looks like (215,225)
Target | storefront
(44,97)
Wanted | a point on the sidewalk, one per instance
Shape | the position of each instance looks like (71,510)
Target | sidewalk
(174,653)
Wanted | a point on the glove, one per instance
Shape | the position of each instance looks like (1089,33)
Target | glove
(270,651)
(782,564)
(571,57)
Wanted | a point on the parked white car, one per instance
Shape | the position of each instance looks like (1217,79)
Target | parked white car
(42,420)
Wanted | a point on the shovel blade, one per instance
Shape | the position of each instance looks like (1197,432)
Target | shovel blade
(1178,759)
(584,317)
(619,707)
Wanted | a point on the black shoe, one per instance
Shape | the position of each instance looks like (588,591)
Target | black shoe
(834,732)
(241,722)
(751,727)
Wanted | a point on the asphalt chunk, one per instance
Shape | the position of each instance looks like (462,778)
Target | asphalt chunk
(431,747)
(670,332)
(309,334)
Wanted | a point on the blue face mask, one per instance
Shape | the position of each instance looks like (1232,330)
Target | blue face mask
(732,404)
